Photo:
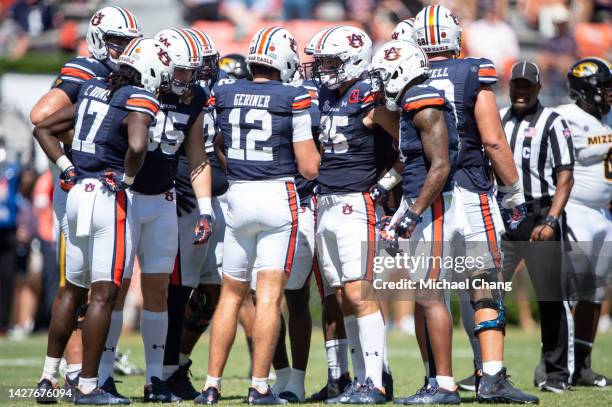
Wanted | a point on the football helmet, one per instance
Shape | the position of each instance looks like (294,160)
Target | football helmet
(151,59)
(403,30)
(275,47)
(394,66)
(436,29)
(235,66)
(107,23)
(184,51)
(348,48)
(590,80)
(209,68)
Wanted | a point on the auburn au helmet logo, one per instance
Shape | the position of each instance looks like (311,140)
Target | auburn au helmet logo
(355,40)
(164,57)
(293,44)
(164,41)
(392,53)
(395,35)
(97,19)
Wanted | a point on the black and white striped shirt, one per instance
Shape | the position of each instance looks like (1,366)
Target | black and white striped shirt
(541,144)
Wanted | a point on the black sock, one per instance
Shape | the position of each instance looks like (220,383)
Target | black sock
(177,301)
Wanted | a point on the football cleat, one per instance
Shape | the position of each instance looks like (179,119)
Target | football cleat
(69,388)
(255,398)
(348,391)
(203,229)
(387,381)
(179,383)
(432,395)
(498,389)
(68,179)
(554,386)
(539,374)
(367,393)
(44,392)
(210,395)
(429,382)
(110,387)
(124,367)
(289,396)
(468,384)
(332,388)
(98,397)
(157,391)
(588,377)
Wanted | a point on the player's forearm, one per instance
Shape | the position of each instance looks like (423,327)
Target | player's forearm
(49,144)
(565,182)
(201,180)
(432,187)
(502,162)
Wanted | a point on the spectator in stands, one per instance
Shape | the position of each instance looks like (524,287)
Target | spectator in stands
(492,38)
(558,54)
(246,15)
(298,9)
(30,18)
(195,10)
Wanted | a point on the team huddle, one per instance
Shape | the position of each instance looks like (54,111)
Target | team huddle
(232,187)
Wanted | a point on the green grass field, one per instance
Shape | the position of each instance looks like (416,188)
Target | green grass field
(20,366)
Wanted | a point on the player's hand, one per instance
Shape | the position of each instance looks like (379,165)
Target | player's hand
(542,233)
(113,180)
(379,194)
(185,197)
(515,216)
(203,230)
(513,195)
(68,179)
(405,226)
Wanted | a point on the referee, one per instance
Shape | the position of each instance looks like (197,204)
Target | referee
(541,143)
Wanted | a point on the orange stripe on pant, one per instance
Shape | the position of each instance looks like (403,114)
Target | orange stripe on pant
(120,231)
(371,220)
(293,207)
(485,209)
(437,243)
(175,276)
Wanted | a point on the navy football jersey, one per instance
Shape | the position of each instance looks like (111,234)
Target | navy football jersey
(172,125)
(100,137)
(415,164)
(460,80)
(305,188)
(77,71)
(348,163)
(256,122)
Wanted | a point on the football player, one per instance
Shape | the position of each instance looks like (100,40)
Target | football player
(467,84)
(111,123)
(403,30)
(587,211)
(428,216)
(110,30)
(346,213)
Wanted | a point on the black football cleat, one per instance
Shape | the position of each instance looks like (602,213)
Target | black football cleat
(69,389)
(180,385)
(348,390)
(387,381)
(431,393)
(158,392)
(333,388)
(468,384)
(289,397)
(554,386)
(110,386)
(588,377)
(498,389)
(44,392)
(98,397)
(255,398)
(210,395)
(367,393)
(429,382)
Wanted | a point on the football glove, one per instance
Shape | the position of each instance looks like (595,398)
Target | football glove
(513,195)
(515,216)
(379,194)
(113,180)
(68,179)
(185,197)
(203,229)
(405,226)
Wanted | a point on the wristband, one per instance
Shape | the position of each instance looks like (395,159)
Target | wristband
(63,163)
(511,189)
(390,179)
(205,205)
(551,221)
(127,180)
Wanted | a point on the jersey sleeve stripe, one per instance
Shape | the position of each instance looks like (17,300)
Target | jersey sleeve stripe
(418,104)
(80,67)
(304,96)
(76,73)
(368,99)
(301,104)
(141,96)
(423,96)
(142,103)
(487,72)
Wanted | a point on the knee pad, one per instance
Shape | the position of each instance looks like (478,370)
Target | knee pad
(499,323)
(80,316)
(202,311)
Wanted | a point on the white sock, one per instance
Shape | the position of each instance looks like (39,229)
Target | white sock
(492,367)
(352,333)
(296,383)
(212,381)
(153,328)
(87,385)
(51,369)
(446,382)
(372,338)
(282,378)
(260,383)
(184,358)
(105,370)
(386,367)
(167,371)
(334,350)
(73,370)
